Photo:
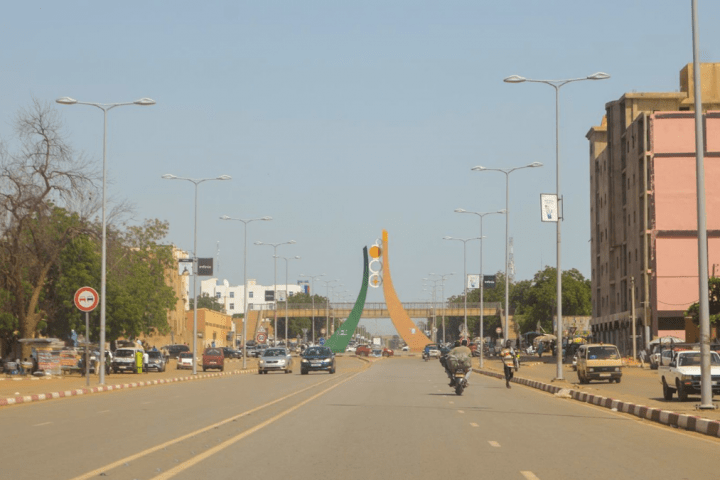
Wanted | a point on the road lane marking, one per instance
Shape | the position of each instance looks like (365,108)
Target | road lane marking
(208,453)
(41,424)
(103,411)
(131,458)
(474,425)
(493,443)
(529,475)
(461,411)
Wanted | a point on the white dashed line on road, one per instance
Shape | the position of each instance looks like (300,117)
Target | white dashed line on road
(493,443)
(461,411)
(474,425)
(529,475)
(41,424)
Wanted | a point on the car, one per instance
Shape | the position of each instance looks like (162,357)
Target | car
(231,352)
(185,360)
(431,350)
(351,349)
(213,357)
(376,352)
(599,362)
(156,361)
(259,349)
(175,350)
(275,359)
(406,348)
(388,352)
(125,359)
(317,358)
(683,376)
(362,350)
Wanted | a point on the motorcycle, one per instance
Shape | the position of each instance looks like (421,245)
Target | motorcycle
(459,381)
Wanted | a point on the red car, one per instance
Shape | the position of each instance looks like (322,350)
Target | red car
(213,358)
(362,350)
(388,352)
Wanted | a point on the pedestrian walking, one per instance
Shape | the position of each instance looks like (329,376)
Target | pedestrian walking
(541,349)
(509,360)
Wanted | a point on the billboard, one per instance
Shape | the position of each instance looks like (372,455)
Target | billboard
(473,281)
(205,267)
(269,295)
(185,266)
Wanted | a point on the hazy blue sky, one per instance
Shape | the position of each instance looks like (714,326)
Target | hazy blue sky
(343,118)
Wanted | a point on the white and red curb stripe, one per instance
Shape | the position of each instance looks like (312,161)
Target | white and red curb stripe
(665,417)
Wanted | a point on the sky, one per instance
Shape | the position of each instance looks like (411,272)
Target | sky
(343,118)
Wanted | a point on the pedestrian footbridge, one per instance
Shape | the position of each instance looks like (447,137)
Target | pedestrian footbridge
(380,310)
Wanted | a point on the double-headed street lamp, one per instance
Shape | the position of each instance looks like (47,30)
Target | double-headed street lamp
(287,344)
(328,287)
(245,289)
(105,107)
(557,84)
(442,294)
(275,257)
(312,296)
(464,240)
(482,277)
(196,182)
(507,172)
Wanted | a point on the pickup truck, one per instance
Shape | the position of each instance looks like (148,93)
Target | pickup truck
(682,374)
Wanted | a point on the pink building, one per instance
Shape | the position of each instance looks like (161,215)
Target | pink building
(643,209)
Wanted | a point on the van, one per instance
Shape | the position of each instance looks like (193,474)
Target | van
(213,357)
(598,361)
(125,359)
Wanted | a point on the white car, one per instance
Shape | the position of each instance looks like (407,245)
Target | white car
(185,360)
(406,348)
(350,349)
(275,359)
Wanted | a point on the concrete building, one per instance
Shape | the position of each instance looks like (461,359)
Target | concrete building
(214,328)
(259,296)
(643,213)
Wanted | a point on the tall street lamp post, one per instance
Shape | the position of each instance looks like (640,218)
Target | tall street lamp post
(275,257)
(245,294)
(196,182)
(433,299)
(464,240)
(442,294)
(105,107)
(312,297)
(557,84)
(482,278)
(287,344)
(328,286)
(507,172)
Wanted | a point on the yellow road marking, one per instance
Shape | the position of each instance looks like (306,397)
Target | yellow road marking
(461,411)
(199,458)
(493,443)
(125,460)
(529,475)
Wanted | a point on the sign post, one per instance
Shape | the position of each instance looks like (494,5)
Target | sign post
(86,299)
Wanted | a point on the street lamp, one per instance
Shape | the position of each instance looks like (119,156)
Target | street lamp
(557,84)
(433,300)
(312,297)
(464,240)
(507,172)
(105,107)
(245,294)
(196,182)
(442,293)
(482,277)
(275,245)
(287,344)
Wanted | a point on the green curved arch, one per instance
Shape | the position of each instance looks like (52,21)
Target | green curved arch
(339,340)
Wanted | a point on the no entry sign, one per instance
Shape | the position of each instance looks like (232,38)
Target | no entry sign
(86,299)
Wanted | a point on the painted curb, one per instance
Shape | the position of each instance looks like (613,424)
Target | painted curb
(664,417)
(107,388)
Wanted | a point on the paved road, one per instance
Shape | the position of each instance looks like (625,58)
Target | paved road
(395,419)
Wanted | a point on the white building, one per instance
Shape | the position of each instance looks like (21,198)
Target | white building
(259,296)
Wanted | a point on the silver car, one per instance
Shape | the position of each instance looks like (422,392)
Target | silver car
(275,359)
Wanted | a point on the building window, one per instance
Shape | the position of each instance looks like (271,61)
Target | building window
(217,295)
(232,294)
(250,305)
(250,294)
(232,306)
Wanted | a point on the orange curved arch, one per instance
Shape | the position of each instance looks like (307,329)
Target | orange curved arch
(405,327)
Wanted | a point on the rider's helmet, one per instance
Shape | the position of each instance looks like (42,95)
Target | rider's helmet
(508,344)
(464,342)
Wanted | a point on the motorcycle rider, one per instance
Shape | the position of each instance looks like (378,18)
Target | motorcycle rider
(460,353)
(508,358)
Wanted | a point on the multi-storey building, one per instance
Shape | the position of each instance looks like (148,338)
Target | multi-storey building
(260,297)
(643,212)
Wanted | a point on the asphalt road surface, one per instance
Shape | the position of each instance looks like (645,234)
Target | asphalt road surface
(394,418)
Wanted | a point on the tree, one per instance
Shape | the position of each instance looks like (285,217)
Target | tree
(206,301)
(42,190)
(713,304)
(541,298)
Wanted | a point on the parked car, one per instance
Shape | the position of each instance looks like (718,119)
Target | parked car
(275,359)
(185,360)
(317,358)
(213,358)
(125,359)
(362,350)
(388,352)
(682,374)
(351,349)
(231,352)
(376,352)
(156,361)
(175,350)
(406,348)
(259,350)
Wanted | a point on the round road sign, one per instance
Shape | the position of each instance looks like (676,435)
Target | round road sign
(260,338)
(498,330)
(86,299)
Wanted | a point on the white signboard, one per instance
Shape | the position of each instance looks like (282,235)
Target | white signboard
(185,266)
(473,281)
(549,207)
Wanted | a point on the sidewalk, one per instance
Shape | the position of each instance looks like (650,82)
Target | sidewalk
(639,393)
